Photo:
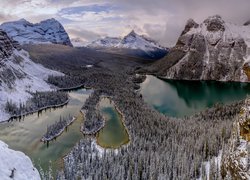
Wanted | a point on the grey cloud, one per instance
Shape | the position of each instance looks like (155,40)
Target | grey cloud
(85,35)
(175,13)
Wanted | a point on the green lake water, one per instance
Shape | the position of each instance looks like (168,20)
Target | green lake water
(178,98)
(113,134)
(25,135)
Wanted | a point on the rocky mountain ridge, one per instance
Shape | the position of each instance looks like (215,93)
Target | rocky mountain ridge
(47,31)
(132,44)
(212,50)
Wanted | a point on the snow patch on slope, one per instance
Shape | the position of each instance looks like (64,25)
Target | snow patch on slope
(17,162)
(34,79)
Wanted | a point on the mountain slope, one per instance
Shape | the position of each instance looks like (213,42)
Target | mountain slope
(132,44)
(19,75)
(48,31)
(212,50)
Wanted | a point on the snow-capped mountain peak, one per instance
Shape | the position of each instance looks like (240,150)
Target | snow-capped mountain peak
(135,41)
(131,42)
(47,31)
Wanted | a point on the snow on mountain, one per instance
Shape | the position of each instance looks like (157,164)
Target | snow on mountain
(107,42)
(48,31)
(19,75)
(133,42)
(16,165)
(212,50)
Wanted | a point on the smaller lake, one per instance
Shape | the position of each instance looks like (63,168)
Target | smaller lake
(178,98)
(114,133)
(25,135)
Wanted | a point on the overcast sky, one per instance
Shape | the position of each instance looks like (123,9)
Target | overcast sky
(162,20)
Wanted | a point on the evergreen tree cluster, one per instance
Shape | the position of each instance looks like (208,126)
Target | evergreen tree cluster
(66,82)
(38,101)
(57,128)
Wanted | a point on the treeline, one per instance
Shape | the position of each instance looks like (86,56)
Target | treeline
(66,82)
(57,128)
(160,148)
(38,101)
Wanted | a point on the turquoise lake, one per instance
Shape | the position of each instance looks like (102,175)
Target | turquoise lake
(178,98)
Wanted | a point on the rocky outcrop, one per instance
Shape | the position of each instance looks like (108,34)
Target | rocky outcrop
(235,156)
(212,50)
(6,46)
(48,31)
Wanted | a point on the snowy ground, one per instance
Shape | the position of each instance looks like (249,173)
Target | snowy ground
(17,164)
(35,76)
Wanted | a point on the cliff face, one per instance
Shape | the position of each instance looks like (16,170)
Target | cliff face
(212,50)
(6,45)
(235,158)
(48,31)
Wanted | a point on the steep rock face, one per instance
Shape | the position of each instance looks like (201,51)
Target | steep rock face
(131,44)
(6,47)
(213,50)
(48,31)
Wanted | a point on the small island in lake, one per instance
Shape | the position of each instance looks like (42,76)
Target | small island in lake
(57,128)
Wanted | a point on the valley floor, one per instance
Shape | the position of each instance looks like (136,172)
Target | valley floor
(160,147)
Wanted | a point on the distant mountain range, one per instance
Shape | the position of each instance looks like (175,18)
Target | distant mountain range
(131,44)
(212,50)
(51,31)
(47,31)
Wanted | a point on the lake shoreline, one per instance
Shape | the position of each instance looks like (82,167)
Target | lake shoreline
(35,111)
(122,119)
(50,106)
(44,139)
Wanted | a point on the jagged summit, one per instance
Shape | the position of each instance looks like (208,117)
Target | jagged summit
(215,23)
(132,33)
(190,24)
(47,31)
(131,37)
